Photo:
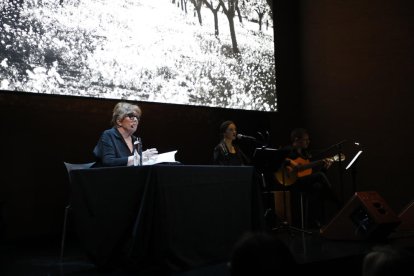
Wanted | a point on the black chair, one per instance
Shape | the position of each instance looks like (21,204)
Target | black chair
(69,168)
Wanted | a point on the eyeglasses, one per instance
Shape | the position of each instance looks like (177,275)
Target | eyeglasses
(132,116)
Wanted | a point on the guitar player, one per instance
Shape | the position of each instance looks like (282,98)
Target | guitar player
(310,179)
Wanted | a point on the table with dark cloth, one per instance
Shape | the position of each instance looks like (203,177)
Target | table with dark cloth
(176,216)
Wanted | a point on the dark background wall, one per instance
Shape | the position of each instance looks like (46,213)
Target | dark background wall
(343,71)
(358,85)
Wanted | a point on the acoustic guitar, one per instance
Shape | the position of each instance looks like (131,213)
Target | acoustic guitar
(300,167)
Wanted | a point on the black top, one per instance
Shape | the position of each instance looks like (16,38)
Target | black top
(111,149)
(293,154)
(222,156)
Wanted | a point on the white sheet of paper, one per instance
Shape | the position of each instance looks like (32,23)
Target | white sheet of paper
(162,157)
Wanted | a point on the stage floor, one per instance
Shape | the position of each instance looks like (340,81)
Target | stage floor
(312,252)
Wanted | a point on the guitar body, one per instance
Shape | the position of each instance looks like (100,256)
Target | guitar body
(301,162)
(289,174)
(301,167)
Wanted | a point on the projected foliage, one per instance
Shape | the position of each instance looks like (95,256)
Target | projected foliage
(217,53)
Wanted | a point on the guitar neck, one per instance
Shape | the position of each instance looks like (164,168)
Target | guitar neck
(310,165)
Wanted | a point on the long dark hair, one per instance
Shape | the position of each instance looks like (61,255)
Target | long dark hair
(223,127)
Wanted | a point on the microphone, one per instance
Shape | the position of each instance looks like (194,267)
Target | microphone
(241,136)
(265,141)
(337,145)
(138,148)
(334,146)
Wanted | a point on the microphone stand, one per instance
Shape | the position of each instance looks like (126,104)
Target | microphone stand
(337,145)
(354,173)
(266,167)
(285,223)
(139,150)
(341,180)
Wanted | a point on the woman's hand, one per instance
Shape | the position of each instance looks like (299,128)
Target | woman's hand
(149,154)
(131,160)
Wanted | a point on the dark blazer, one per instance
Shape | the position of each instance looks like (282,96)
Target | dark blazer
(111,149)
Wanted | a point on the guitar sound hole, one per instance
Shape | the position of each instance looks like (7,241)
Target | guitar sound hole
(377,205)
(382,211)
(379,208)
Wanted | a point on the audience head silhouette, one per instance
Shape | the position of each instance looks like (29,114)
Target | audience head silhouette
(387,260)
(260,254)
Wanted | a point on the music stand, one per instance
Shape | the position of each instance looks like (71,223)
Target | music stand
(267,161)
(262,161)
(353,166)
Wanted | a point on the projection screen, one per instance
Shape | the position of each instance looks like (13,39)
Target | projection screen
(215,53)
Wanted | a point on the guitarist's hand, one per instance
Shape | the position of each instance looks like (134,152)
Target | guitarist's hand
(327,162)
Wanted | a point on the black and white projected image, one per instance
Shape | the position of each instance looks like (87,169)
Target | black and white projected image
(216,53)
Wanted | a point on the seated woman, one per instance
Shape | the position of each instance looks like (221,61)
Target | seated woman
(117,145)
(227,153)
